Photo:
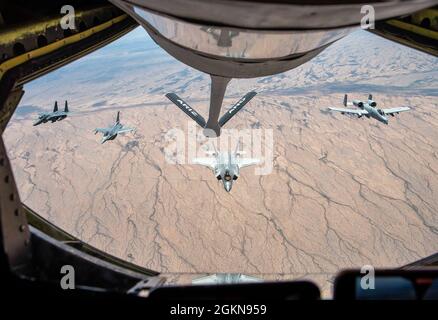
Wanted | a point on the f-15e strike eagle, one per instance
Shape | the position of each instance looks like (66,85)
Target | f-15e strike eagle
(226,166)
(56,115)
(369,109)
(111,132)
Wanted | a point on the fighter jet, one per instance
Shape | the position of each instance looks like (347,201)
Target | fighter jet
(212,127)
(111,132)
(226,166)
(56,115)
(369,109)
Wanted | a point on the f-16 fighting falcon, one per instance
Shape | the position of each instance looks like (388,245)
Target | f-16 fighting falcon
(212,127)
(226,166)
(111,132)
(56,115)
(369,109)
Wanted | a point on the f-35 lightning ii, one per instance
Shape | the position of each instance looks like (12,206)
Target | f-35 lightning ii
(369,109)
(56,115)
(226,166)
(111,132)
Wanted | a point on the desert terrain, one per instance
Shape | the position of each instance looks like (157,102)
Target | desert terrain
(343,192)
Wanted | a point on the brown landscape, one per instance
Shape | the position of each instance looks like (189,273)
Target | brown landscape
(344,192)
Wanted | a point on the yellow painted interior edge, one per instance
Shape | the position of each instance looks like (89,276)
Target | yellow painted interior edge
(11,35)
(89,49)
(11,63)
(413,28)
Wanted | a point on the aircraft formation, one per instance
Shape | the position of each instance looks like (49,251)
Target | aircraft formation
(109,133)
(247,42)
(225,165)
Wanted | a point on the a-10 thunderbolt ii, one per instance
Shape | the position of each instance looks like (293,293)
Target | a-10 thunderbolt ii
(226,166)
(56,115)
(111,132)
(369,109)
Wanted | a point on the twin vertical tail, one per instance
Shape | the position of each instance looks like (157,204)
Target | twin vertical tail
(55,108)
(194,115)
(370,97)
(345,100)
(118,117)
(237,152)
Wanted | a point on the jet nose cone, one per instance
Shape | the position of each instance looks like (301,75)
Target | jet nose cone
(228,185)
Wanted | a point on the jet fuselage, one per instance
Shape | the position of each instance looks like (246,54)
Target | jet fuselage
(227,169)
(112,133)
(50,116)
(371,107)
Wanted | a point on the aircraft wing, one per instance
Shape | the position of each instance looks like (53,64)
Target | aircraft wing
(225,279)
(208,162)
(246,162)
(101,130)
(124,130)
(395,110)
(358,112)
(212,279)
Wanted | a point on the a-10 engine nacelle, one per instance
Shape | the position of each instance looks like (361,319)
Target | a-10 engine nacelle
(358,103)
